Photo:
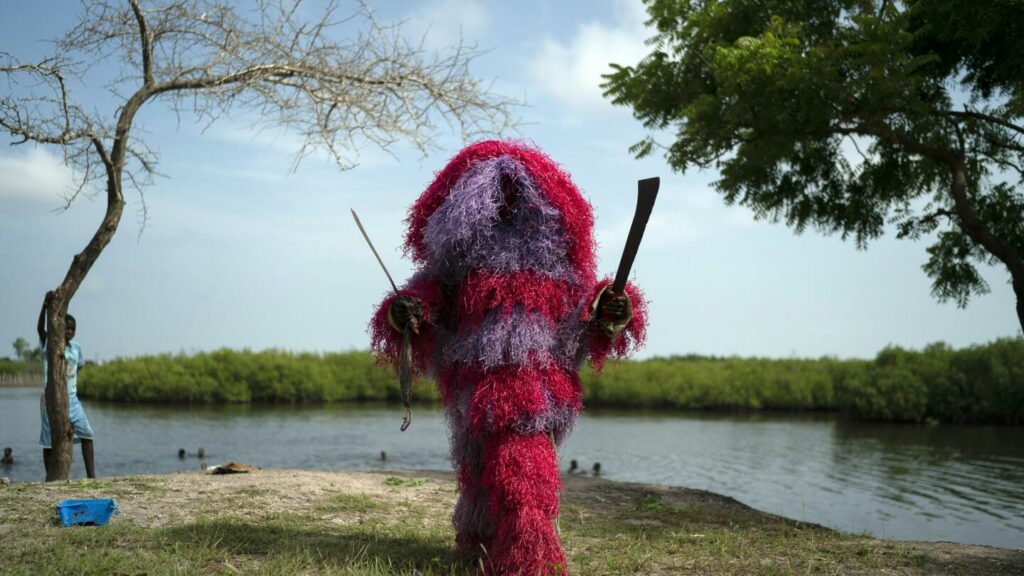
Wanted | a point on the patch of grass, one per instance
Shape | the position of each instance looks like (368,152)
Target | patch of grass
(397,482)
(652,504)
(280,544)
(90,484)
(349,503)
(652,537)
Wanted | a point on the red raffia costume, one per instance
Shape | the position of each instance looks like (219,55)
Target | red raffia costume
(503,242)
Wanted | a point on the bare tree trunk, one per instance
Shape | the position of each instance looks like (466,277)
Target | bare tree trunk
(58,458)
(980,233)
(59,464)
(1018,289)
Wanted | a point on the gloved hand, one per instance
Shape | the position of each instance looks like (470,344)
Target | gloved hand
(612,312)
(406,311)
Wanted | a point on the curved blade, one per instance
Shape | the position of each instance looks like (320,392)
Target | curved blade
(647,193)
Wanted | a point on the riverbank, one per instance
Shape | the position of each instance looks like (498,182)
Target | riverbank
(376,523)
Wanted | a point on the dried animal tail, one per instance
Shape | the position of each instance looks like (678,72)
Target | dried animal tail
(405,373)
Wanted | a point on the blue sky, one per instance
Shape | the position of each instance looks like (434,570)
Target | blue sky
(241,252)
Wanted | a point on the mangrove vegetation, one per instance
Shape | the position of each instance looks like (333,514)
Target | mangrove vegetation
(978,384)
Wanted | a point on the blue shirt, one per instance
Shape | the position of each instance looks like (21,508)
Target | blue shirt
(74,360)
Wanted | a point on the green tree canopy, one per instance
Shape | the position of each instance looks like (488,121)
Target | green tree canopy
(21,349)
(850,115)
(25,353)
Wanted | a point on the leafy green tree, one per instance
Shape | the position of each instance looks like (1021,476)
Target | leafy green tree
(22,350)
(25,353)
(847,115)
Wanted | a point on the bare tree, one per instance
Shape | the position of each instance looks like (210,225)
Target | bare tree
(339,80)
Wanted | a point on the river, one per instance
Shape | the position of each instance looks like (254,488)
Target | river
(953,483)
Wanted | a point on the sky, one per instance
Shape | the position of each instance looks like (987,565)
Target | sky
(241,251)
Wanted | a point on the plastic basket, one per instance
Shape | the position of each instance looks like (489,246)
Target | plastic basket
(86,512)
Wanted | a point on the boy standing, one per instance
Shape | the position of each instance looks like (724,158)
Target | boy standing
(74,359)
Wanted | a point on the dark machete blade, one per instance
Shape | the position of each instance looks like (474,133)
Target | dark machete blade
(647,193)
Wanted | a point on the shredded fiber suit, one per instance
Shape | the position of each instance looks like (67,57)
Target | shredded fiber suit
(503,243)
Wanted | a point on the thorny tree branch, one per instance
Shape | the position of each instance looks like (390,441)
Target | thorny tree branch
(339,81)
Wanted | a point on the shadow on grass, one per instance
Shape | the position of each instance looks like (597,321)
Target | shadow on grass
(375,548)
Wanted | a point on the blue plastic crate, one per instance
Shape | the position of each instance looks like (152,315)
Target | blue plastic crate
(86,512)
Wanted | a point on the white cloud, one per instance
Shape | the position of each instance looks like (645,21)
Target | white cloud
(34,175)
(666,230)
(571,70)
(440,24)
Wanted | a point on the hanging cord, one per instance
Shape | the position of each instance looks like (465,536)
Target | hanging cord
(405,371)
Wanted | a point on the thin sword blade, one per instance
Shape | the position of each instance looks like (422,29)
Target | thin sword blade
(647,193)
(374,250)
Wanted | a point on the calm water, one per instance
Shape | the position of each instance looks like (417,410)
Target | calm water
(962,484)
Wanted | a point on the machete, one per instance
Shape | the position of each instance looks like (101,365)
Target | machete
(647,193)
(374,250)
(405,353)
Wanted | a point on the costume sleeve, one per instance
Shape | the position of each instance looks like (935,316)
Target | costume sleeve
(600,347)
(386,342)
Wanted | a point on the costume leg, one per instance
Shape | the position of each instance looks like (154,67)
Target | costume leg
(474,529)
(522,481)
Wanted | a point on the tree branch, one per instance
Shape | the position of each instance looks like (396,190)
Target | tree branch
(147,48)
(1012,146)
(1004,162)
(943,155)
(971,114)
(933,216)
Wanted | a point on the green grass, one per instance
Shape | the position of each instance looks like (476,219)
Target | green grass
(606,528)
(349,503)
(396,482)
(272,545)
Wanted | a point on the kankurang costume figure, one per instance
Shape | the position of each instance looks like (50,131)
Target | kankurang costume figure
(505,300)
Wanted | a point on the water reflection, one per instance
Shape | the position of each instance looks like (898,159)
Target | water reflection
(937,477)
(963,484)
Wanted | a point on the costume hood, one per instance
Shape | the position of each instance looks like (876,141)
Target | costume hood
(527,163)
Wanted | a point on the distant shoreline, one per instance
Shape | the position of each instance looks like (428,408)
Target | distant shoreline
(21,381)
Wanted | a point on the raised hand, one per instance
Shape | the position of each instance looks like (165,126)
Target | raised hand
(613,312)
(406,311)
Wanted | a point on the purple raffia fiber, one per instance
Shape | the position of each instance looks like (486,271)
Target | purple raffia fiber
(514,339)
(559,420)
(466,232)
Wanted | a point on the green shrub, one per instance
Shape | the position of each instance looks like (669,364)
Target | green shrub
(982,383)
